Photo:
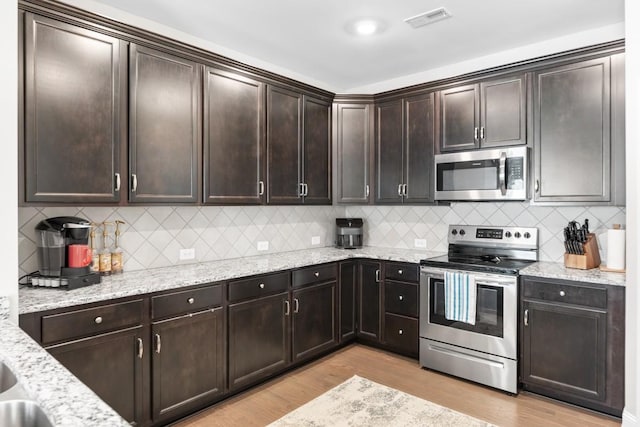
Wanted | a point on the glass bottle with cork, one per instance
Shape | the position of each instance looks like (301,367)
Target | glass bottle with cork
(95,258)
(117,259)
(105,253)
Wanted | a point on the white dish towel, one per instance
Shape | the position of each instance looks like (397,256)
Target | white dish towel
(460,297)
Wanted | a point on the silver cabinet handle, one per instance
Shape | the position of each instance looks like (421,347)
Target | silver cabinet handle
(400,332)
(296,306)
(191,300)
(400,190)
(404,190)
(158,343)
(300,189)
(537,186)
(400,272)
(118,181)
(482,132)
(400,297)
(377,276)
(475,133)
(562,293)
(287,308)
(140,348)
(366,190)
(98,320)
(317,274)
(260,188)
(526,317)
(306,189)
(261,285)
(134,182)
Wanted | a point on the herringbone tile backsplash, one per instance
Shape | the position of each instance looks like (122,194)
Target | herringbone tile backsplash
(153,236)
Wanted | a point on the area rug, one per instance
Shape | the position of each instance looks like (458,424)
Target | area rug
(360,402)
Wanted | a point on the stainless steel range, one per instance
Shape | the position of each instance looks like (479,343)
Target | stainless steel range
(482,348)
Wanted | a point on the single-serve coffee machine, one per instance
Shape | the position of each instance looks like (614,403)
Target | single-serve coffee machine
(64,255)
(349,233)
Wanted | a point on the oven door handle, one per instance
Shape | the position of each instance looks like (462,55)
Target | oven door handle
(502,176)
(481,279)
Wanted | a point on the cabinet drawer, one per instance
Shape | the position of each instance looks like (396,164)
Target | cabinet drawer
(402,271)
(189,301)
(565,293)
(258,286)
(401,333)
(91,321)
(314,274)
(401,298)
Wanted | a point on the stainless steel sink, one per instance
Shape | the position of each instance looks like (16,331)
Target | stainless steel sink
(7,379)
(22,413)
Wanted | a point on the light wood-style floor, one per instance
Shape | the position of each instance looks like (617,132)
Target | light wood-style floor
(270,401)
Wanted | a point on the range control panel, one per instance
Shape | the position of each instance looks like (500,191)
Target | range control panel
(519,237)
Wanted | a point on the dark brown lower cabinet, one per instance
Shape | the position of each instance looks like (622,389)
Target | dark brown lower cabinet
(188,363)
(369,300)
(259,339)
(114,366)
(348,287)
(315,320)
(401,333)
(572,342)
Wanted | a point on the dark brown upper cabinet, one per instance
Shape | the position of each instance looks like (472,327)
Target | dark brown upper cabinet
(405,134)
(75,99)
(579,132)
(352,141)
(491,113)
(298,146)
(164,127)
(234,143)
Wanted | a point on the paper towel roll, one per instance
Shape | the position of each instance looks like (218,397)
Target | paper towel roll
(616,249)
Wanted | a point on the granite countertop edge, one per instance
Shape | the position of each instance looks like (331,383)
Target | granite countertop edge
(557,270)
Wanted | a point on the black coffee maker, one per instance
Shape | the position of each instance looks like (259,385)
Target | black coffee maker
(64,256)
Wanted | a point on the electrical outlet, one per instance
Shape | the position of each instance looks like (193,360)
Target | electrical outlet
(315,240)
(186,254)
(263,245)
(420,243)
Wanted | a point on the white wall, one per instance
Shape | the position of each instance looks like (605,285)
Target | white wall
(8,138)
(631,416)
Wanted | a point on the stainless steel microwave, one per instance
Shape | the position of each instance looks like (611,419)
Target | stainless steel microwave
(496,174)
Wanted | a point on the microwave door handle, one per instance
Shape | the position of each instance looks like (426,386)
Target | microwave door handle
(501,173)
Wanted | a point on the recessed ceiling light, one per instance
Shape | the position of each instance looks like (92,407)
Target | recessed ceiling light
(365,27)
(430,17)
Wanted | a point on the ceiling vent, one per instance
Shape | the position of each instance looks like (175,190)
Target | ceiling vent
(430,17)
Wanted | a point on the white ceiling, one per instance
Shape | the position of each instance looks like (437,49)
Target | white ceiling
(308,37)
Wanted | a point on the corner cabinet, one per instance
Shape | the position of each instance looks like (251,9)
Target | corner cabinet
(572,346)
(369,296)
(405,135)
(75,112)
(298,148)
(579,132)
(164,127)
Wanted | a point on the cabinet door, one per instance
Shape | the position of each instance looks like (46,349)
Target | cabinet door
(564,349)
(75,83)
(459,118)
(348,287)
(188,363)
(369,300)
(233,139)
(353,137)
(164,123)
(317,151)
(572,132)
(284,180)
(504,112)
(259,340)
(419,131)
(389,152)
(113,366)
(315,320)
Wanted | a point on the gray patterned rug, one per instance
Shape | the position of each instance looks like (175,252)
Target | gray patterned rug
(360,402)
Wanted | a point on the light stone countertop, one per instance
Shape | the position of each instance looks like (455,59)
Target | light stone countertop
(34,299)
(557,270)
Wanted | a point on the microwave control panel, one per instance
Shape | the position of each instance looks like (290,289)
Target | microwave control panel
(515,173)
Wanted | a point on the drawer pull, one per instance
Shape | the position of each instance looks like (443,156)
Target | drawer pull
(261,285)
(400,297)
(317,274)
(191,300)
(400,332)
(98,320)
(562,293)
(400,272)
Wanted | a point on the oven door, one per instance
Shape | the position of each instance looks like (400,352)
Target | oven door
(495,331)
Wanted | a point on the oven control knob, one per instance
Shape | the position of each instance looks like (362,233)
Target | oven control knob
(507,234)
(517,235)
(527,235)
(462,233)
(454,231)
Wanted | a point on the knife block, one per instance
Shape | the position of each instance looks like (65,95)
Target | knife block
(590,259)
